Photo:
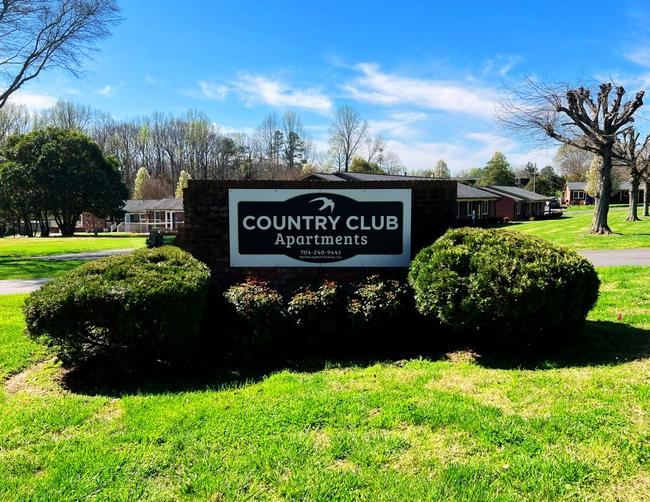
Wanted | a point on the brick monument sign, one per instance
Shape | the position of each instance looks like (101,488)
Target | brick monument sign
(283,231)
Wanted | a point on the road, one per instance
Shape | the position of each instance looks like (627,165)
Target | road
(15,286)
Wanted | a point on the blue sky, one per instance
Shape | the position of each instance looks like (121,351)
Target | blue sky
(426,75)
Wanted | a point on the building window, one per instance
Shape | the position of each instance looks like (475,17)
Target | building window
(578,194)
(469,209)
(486,207)
(518,207)
(458,211)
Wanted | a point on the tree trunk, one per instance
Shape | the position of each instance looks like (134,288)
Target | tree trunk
(646,200)
(602,195)
(634,199)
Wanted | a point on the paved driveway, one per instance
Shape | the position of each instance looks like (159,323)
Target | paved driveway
(618,257)
(15,286)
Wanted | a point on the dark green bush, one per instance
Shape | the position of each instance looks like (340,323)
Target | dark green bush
(316,311)
(502,282)
(128,309)
(256,315)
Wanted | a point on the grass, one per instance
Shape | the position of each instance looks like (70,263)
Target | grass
(35,269)
(17,352)
(591,207)
(555,425)
(572,230)
(24,247)
(15,253)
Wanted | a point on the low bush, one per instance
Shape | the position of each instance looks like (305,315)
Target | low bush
(376,307)
(325,315)
(316,312)
(257,314)
(501,282)
(128,309)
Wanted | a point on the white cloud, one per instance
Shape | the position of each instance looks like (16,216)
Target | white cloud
(33,101)
(233,130)
(106,91)
(261,89)
(640,56)
(397,124)
(214,91)
(150,80)
(387,89)
(424,155)
(501,64)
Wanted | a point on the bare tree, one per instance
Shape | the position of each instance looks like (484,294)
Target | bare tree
(375,148)
(347,133)
(572,162)
(634,156)
(14,119)
(37,35)
(392,163)
(571,116)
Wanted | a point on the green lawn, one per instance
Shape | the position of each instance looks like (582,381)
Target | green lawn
(17,352)
(569,425)
(15,253)
(572,230)
(591,207)
(23,247)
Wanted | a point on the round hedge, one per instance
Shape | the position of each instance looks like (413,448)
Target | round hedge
(131,308)
(503,282)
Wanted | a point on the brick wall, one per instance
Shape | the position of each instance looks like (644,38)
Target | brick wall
(206,230)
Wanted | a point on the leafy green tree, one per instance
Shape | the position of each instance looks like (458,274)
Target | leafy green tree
(140,179)
(547,183)
(497,172)
(441,170)
(361,165)
(182,183)
(68,175)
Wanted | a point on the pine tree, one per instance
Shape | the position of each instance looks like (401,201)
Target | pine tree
(141,177)
(183,178)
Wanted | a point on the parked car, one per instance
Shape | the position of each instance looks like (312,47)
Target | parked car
(554,204)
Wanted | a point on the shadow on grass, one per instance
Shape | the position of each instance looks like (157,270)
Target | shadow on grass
(596,343)
(26,268)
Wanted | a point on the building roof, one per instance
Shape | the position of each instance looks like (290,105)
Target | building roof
(144,205)
(463,192)
(138,205)
(168,205)
(517,194)
(348,176)
(582,185)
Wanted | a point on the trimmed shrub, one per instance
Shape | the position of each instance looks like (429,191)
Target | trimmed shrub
(132,308)
(316,312)
(376,306)
(257,314)
(497,281)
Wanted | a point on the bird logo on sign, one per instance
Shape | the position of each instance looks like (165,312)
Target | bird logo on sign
(326,203)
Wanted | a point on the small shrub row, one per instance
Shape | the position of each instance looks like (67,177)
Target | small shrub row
(316,314)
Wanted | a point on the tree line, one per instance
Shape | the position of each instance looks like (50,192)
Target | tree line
(165,145)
